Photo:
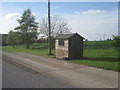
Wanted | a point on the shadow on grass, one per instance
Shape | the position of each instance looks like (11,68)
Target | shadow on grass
(102,59)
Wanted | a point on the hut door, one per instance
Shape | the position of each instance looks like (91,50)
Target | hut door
(76,49)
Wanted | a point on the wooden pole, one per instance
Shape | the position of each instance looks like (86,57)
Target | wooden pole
(49,25)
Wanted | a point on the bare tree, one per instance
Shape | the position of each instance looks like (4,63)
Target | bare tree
(58,26)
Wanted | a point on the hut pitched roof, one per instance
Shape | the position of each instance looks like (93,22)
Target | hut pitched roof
(67,36)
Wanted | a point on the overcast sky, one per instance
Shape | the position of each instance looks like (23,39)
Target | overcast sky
(92,20)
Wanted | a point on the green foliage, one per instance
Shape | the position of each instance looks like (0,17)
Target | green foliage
(0,47)
(39,46)
(101,58)
(13,38)
(21,48)
(99,64)
(100,54)
(116,42)
(28,28)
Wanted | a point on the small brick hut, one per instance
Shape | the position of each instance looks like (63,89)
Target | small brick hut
(69,46)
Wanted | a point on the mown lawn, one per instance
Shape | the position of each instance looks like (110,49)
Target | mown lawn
(106,58)
(98,44)
(100,64)
(38,49)
(0,47)
(99,54)
(102,58)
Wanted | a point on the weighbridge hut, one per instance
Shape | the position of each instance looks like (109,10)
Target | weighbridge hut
(69,46)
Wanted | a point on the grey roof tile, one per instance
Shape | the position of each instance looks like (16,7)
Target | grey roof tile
(66,36)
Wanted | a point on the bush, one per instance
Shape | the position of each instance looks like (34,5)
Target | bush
(116,42)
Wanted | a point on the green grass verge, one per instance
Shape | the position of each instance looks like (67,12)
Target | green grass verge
(101,53)
(0,47)
(102,58)
(21,48)
(100,64)
(98,44)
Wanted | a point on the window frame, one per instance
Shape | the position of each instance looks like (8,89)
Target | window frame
(61,42)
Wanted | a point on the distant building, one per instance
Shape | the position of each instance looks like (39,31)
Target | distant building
(3,38)
(69,46)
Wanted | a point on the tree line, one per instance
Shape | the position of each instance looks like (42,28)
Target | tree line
(28,30)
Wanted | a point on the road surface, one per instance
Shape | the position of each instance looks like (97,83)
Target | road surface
(75,75)
(16,77)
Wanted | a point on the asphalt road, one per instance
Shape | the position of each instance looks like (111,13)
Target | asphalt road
(16,77)
(75,75)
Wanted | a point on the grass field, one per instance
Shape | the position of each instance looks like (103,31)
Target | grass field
(98,44)
(103,58)
(38,49)
(100,54)
(0,48)
(96,53)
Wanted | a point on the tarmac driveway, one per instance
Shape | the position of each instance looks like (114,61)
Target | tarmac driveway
(75,75)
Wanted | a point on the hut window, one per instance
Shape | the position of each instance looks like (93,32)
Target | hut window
(61,42)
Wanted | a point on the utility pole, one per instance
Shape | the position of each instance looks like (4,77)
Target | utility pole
(49,25)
